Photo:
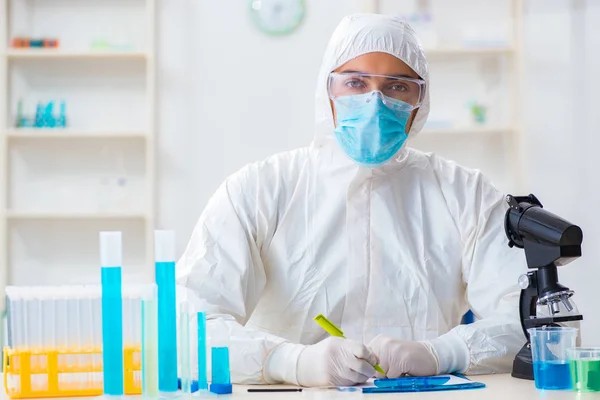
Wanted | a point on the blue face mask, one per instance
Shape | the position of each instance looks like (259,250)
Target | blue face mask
(371,127)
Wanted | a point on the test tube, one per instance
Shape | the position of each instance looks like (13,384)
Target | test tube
(137,330)
(94,309)
(150,343)
(21,322)
(221,379)
(48,321)
(12,320)
(164,254)
(127,339)
(82,324)
(112,310)
(26,329)
(202,377)
(98,324)
(72,324)
(137,315)
(184,347)
(34,331)
(9,330)
(62,327)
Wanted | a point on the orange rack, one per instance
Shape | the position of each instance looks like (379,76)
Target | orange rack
(68,373)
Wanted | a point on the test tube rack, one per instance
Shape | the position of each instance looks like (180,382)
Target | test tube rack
(55,341)
(64,373)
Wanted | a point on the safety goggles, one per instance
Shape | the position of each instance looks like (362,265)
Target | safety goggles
(408,90)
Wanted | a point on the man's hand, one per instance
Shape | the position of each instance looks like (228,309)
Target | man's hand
(335,362)
(399,357)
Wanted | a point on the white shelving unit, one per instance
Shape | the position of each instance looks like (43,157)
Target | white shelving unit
(468,51)
(16,54)
(82,216)
(46,199)
(35,134)
(467,130)
(507,133)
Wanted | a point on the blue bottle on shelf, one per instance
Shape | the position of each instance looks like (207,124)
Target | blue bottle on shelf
(39,116)
(61,121)
(48,120)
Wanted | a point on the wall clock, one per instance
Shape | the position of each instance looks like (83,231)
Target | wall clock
(277,17)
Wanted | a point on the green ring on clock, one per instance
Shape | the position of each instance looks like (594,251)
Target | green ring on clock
(291,26)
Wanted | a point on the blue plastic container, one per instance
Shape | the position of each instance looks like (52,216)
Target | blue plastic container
(221,379)
(112,331)
(167,327)
(202,373)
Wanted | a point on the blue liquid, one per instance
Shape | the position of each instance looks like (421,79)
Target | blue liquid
(202,378)
(221,380)
(167,327)
(552,375)
(220,365)
(112,331)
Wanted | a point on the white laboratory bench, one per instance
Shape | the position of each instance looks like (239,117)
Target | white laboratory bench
(499,387)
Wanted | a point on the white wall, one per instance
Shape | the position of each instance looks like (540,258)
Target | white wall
(77,175)
(563,123)
(229,96)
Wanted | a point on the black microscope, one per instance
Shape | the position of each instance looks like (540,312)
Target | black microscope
(549,241)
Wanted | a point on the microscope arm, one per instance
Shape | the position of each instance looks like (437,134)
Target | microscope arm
(527,300)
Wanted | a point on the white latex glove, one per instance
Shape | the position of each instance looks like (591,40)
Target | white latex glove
(335,362)
(399,357)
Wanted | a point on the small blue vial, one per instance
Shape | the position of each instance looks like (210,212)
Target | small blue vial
(221,379)
(61,122)
(39,116)
(202,378)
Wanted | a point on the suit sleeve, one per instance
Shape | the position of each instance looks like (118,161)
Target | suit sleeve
(490,273)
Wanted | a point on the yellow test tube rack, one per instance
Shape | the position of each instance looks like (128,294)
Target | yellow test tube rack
(69,373)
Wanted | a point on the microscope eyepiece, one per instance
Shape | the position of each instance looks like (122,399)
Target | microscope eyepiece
(550,238)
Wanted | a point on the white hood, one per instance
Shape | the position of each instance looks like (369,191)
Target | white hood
(360,34)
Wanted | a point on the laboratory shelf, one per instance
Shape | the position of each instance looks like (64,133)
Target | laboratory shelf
(61,186)
(468,51)
(467,130)
(16,54)
(23,133)
(19,215)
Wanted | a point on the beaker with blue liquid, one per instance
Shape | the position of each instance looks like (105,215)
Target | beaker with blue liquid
(549,345)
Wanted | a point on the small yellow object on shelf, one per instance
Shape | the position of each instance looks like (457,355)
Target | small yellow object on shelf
(333,330)
(68,373)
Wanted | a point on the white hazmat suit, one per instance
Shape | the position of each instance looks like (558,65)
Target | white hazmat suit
(404,249)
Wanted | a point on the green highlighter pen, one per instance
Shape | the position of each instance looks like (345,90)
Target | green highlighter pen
(335,331)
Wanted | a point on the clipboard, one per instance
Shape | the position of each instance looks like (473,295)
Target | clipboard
(423,384)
